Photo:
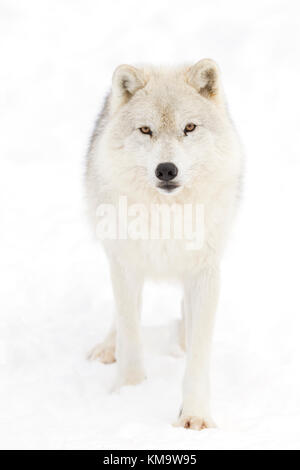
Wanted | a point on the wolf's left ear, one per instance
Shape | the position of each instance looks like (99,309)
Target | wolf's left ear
(205,77)
(126,81)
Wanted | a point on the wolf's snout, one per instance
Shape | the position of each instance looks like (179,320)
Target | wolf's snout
(166,171)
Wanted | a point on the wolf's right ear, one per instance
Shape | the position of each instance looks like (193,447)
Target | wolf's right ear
(125,82)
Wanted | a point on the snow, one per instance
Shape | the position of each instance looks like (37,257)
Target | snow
(55,296)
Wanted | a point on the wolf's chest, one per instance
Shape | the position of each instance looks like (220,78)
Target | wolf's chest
(159,258)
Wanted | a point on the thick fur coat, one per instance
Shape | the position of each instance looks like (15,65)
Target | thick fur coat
(155,115)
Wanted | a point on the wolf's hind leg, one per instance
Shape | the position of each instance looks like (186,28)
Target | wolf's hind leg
(105,352)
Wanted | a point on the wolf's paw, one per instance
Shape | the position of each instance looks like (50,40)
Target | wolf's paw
(194,422)
(103,353)
(134,377)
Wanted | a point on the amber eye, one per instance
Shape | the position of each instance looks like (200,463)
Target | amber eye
(189,128)
(146,130)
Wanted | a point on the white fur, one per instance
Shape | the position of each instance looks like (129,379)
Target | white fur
(122,161)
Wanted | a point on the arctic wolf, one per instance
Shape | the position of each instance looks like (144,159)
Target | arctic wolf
(164,136)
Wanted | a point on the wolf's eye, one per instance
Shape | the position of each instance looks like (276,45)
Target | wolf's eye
(146,130)
(190,127)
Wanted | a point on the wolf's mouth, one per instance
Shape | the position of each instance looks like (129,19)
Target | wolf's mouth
(168,187)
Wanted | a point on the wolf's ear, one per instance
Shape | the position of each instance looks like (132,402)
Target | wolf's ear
(125,82)
(205,77)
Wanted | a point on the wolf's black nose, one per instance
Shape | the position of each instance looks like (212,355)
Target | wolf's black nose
(166,171)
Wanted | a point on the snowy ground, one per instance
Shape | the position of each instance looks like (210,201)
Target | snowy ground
(55,295)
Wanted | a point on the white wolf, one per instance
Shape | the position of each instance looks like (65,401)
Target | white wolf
(165,135)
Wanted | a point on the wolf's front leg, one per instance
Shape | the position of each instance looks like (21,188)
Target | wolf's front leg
(200,301)
(127,288)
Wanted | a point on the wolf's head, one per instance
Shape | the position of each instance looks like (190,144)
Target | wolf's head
(167,128)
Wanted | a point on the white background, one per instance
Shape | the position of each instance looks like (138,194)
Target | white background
(57,58)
